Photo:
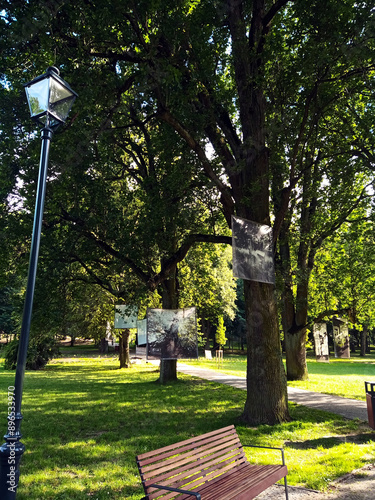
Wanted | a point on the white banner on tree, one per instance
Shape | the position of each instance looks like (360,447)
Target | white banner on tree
(142,331)
(321,341)
(252,251)
(126,316)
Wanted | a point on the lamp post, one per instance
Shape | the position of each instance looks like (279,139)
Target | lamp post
(50,99)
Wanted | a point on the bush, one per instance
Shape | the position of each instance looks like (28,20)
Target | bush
(41,349)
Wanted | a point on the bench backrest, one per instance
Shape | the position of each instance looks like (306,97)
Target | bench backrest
(190,463)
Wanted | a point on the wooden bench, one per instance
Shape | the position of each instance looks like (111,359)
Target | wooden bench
(212,466)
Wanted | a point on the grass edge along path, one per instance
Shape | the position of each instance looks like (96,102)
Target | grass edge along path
(340,377)
(86,420)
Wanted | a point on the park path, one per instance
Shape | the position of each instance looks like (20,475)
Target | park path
(358,485)
(348,408)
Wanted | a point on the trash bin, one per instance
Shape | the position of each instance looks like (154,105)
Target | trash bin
(370,399)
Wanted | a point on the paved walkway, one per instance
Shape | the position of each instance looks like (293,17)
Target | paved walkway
(348,408)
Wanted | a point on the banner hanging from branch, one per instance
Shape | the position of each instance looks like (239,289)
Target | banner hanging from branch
(142,331)
(126,316)
(252,251)
(172,333)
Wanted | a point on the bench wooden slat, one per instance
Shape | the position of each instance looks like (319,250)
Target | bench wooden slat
(192,458)
(199,471)
(244,484)
(213,464)
(224,431)
(163,453)
(212,485)
(198,478)
(197,487)
(203,464)
(191,455)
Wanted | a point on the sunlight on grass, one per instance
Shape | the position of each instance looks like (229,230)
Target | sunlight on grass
(86,420)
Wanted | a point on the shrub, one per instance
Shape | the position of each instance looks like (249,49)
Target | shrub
(41,349)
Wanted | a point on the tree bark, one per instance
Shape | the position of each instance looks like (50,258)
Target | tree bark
(267,400)
(124,355)
(103,345)
(168,371)
(206,330)
(294,339)
(296,356)
(168,367)
(364,340)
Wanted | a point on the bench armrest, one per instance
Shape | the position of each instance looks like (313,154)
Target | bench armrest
(161,487)
(267,448)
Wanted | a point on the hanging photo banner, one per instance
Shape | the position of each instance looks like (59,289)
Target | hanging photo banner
(142,331)
(321,341)
(252,251)
(126,316)
(172,334)
(341,338)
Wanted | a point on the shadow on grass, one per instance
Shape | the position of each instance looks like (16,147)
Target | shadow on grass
(130,409)
(331,441)
(88,421)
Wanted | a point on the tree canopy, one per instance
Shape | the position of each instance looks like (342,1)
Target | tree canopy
(189,113)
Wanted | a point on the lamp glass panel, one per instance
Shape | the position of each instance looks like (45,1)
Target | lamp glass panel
(49,120)
(61,100)
(37,96)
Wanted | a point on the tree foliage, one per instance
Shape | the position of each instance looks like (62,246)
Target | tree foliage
(343,278)
(319,129)
(42,348)
(220,337)
(280,91)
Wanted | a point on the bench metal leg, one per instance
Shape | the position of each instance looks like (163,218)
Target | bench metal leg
(286,488)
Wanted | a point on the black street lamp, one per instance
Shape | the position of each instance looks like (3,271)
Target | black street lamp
(50,99)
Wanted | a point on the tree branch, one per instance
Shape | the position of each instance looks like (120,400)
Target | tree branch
(78,225)
(325,314)
(98,281)
(340,220)
(170,264)
(128,56)
(275,8)
(228,204)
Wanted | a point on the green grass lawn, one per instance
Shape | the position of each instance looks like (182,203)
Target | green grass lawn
(85,421)
(342,377)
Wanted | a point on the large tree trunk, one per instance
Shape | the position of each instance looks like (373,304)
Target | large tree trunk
(266,381)
(267,397)
(364,340)
(295,337)
(124,355)
(206,330)
(168,367)
(295,347)
(103,345)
